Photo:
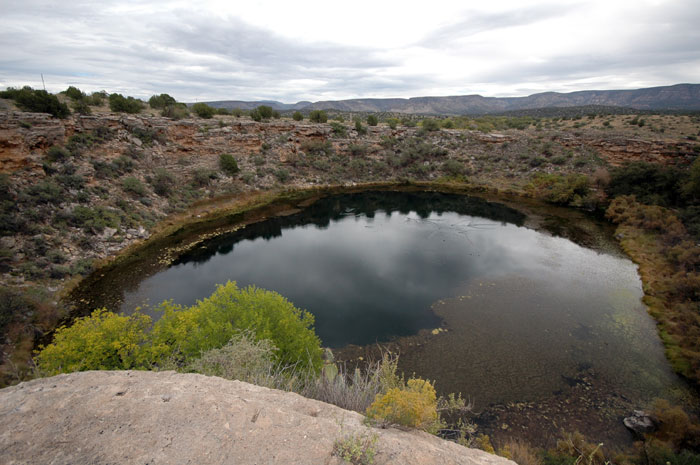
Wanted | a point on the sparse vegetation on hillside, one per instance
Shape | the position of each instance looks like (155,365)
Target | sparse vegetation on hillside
(120,104)
(39,101)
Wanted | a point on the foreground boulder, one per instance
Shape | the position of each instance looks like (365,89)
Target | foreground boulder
(141,417)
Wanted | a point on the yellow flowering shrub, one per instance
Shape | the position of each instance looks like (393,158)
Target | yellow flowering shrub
(101,341)
(414,405)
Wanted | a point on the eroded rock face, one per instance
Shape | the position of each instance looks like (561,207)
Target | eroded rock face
(170,418)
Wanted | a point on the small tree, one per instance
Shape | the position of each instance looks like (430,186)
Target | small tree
(297,116)
(203,110)
(228,164)
(361,130)
(120,104)
(372,120)
(161,101)
(265,111)
(255,115)
(430,124)
(74,93)
(318,116)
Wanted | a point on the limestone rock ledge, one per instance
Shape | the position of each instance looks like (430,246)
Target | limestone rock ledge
(140,417)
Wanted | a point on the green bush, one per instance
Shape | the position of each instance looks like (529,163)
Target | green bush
(297,116)
(74,93)
(101,341)
(82,107)
(430,124)
(120,104)
(361,130)
(211,323)
(38,101)
(57,153)
(134,186)
(650,183)
(338,129)
(255,115)
(231,318)
(566,190)
(265,111)
(93,220)
(228,164)
(163,182)
(177,111)
(318,116)
(282,174)
(161,101)
(203,110)
(372,120)
(45,192)
(203,176)
(392,122)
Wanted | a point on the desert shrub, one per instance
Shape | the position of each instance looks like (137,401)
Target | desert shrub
(392,122)
(161,101)
(93,219)
(203,176)
(282,174)
(372,120)
(177,111)
(82,107)
(297,116)
(358,150)
(650,183)
(74,93)
(414,406)
(447,124)
(359,128)
(520,452)
(243,357)
(691,187)
(454,168)
(255,115)
(675,426)
(38,101)
(96,99)
(430,124)
(120,104)
(222,111)
(57,153)
(13,305)
(566,190)
(317,147)
(339,129)
(211,323)
(163,182)
(44,192)
(203,110)
(265,111)
(228,164)
(71,181)
(101,341)
(575,447)
(318,116)
(134,186)
(357,449)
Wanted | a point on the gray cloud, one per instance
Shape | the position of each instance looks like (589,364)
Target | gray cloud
(141,49)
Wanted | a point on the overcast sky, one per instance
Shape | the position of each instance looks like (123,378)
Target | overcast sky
(321,50)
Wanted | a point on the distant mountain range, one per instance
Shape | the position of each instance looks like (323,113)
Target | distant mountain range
(676,97)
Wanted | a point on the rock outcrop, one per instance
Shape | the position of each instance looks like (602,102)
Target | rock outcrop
(153,418)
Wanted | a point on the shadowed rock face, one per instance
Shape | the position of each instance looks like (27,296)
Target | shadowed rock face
(170,418)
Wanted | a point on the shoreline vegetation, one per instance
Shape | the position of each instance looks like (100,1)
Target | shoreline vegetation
(654,201)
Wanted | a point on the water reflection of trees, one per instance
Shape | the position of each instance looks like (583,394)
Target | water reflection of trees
(334,208)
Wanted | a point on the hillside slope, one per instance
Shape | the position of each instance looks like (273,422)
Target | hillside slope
(142,417)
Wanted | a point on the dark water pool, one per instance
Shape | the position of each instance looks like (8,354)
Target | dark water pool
(514,316)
